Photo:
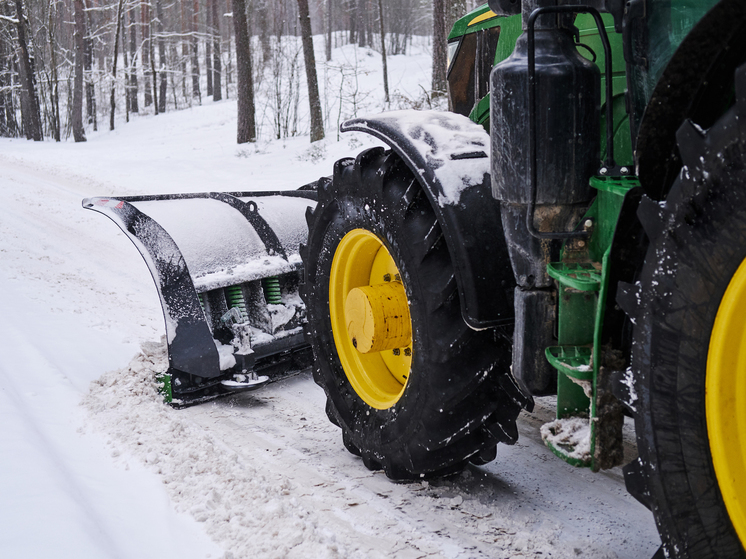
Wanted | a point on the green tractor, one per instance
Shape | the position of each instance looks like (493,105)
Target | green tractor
(583,234)
(575,226)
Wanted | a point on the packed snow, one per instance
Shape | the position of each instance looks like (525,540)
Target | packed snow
(571,434)
(94,465)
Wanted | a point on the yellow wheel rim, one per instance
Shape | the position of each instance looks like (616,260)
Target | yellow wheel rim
(725,399)
(367,300)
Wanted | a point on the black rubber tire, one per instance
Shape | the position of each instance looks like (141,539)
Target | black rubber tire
(697,241)
(460,399)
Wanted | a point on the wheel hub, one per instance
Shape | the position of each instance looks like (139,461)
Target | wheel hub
(378,317)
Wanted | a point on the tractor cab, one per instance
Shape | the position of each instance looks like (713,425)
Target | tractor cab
(477,41)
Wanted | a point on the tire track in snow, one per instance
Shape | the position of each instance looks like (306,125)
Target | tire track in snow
(267,469)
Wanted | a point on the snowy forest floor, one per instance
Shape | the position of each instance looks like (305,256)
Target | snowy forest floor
(93,465)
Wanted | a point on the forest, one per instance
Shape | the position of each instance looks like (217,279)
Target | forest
(68,66)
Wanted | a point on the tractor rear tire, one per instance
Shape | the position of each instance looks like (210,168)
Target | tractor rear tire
(452,398)
(690,378)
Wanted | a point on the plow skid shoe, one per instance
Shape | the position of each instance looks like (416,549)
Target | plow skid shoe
(227,268)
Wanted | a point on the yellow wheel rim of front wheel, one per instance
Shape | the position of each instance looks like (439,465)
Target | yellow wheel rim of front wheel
(725,399)
(379,377)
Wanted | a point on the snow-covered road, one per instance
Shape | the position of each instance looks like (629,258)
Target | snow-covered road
(525,504)
(60,328)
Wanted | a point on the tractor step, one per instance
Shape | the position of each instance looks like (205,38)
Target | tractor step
(571,439)
(585,431)
(583,276)
(572,361)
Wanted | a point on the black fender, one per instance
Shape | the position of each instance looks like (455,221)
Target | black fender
(697,83)
(450,156)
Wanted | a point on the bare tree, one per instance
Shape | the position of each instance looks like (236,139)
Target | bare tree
(262,21)
(329,24)
(456,9)
(126,59)
(31,113)
(196,91)
(317,123)
(352,15)
(229,65)
(362,23)
(439,47)
(244,82)
(217,69)
(162,63)
(383,53)
(112,100)
(90,94)
(8,124)
(54,95)
(132,90)
(151,56)
(146,49)
(208,46)
(77,114)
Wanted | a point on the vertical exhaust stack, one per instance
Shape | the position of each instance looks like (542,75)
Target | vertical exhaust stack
(566,113)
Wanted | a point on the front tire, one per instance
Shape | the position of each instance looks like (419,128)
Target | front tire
(424,405)
(688,348)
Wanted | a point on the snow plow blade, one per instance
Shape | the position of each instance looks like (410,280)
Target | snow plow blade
(227,268)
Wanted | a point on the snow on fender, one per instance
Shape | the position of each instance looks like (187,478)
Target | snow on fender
(450,156)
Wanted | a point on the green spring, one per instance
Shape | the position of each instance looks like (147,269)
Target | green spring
(272,293)
(201,301)
(234,295)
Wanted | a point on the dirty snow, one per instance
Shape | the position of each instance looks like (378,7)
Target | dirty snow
(261,474)
(572,434)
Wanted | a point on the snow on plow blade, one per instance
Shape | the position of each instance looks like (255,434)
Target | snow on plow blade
(227,268)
